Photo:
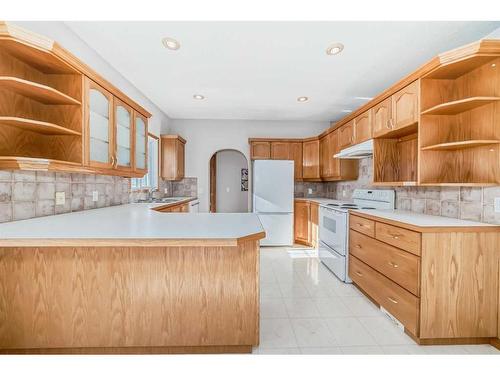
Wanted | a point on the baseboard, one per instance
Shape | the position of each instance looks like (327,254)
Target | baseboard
(228,349)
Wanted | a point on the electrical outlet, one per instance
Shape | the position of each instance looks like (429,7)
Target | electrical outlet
(309,191)
(497,204)
(60,198)
(343,193)
(165,191)
(95,196)
(228,190)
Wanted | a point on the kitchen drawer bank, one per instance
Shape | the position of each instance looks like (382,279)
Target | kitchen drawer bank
(440,281)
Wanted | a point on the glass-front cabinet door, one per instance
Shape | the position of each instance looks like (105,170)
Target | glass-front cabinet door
(123,135)
(141,138)
(99,127)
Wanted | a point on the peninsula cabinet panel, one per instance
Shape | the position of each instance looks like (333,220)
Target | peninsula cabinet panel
(172,157)
(459,285)
(346,136)
(311,160)
(129,298)
(280,150)
(296,156)
(260,150)
(362,127)
(381,118)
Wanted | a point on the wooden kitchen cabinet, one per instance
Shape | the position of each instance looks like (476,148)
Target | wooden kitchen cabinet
(311,170)
(280,150)
(172,157)
(306,222)
(362,127)
(381,117)
(124,135)
(296,156)
(405,108)
(334,169)
(404,267)
(260,150)
(346,136)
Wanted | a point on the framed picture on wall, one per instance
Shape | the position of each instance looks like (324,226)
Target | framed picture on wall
(244,179)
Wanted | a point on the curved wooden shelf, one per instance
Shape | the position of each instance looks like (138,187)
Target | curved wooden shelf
(41,127)
(460,145)
(40,164)
(459,106)
(36,91)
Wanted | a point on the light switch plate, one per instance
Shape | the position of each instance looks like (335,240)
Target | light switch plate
(95,196)
(343,193)
(60,198)
(309,191)
(497,204)
(228,190)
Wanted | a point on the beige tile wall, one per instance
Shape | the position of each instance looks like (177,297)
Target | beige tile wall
(26,194)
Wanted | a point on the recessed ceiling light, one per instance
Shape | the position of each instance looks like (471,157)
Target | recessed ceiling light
(198,97)
(334,49)
(171,43)
(346,110)
(302,99)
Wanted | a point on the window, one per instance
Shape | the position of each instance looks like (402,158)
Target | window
(150,179)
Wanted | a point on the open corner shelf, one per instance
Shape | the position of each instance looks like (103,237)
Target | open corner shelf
(40,127)
(39,164)
(450,146)
(41,93)
(456,69)
(459,106)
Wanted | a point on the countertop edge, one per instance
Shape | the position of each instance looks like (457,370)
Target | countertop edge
(129,242)
(428,229)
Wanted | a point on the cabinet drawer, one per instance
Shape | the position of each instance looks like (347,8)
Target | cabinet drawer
(403,238)
(398,265)
(398,301)
(362,225)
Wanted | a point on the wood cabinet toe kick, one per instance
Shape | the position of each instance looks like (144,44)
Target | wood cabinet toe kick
(131,298)
(441,283)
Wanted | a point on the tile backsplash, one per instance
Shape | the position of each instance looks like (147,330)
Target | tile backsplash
(187,187)
(27,194)
(468,203)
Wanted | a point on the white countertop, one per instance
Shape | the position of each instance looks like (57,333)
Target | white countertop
(134,221)
(422,220)
(409,217)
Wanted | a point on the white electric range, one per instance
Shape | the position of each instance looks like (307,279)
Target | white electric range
(334,227)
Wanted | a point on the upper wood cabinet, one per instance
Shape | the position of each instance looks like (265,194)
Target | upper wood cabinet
(405,108)
(140,144)
(346,136)
(123,134)
(260,150)
(58,114)
(99,124)
(280,150)
(325,153)
(333,169)
(172,157)
(381,116)
(362,127)
(310,159)
(296,156)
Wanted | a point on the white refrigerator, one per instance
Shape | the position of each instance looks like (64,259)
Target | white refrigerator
(273,185)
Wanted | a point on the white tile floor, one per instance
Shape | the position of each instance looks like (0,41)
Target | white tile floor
(306,309)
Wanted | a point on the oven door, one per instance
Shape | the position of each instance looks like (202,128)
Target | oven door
(333,229)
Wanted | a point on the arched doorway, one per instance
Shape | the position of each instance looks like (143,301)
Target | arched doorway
(228,181)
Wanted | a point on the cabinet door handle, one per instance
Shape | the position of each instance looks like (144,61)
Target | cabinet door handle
(388,124)
(359,273)
(392,300)
(358,246)
(392,264)
(363,225)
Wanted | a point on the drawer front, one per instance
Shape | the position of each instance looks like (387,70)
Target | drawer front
(398,265)
(403,238)
(362,225)
(398,301)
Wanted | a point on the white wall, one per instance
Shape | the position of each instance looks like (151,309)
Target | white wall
(205,137)
(493,35)
(58,31)
(230,198)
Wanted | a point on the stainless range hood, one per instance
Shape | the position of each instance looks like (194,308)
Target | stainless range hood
(359,151)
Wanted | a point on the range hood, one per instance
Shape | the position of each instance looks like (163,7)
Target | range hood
(359,151)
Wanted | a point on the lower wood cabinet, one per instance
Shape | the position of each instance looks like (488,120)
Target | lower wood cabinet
(306,220)
(184,207)
(440,282)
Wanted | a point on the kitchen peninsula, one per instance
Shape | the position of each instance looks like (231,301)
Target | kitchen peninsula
(130,279)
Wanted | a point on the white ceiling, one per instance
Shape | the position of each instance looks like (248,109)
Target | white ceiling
(256,70)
